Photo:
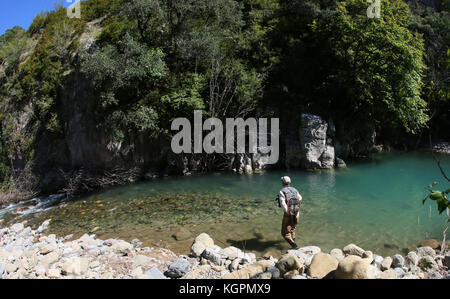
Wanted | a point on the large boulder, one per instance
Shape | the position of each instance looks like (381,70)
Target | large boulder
(322,265)
(354,267)
(289,262)
(316,152)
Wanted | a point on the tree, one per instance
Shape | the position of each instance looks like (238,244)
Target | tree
(341,63)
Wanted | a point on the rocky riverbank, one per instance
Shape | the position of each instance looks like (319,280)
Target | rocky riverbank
(30,254)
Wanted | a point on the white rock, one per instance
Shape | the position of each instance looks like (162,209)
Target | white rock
(352,249)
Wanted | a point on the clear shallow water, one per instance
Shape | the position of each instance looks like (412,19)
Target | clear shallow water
(375,204)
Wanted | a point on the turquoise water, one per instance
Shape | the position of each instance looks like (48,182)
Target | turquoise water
(375,203)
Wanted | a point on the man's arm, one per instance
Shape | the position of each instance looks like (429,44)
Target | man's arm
(283,202)
(300,198)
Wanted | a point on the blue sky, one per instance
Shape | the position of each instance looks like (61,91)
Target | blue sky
(22,12)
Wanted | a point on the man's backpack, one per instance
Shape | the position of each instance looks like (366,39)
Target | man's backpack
(292,201)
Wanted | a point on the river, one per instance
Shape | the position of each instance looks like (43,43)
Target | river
(375,203)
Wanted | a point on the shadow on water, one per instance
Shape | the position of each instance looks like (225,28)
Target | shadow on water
(257,244)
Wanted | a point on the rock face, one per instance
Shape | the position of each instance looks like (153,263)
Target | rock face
(318,153)
(354,267)
(322,265)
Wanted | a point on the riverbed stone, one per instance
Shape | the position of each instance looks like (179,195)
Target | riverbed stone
(354,267)
(305,253)
(234,266)
(400,272)
(368,256)
(338,254)
(121,247)
(53,273)
(75,266)
(47,248)
(274,271)
(263,275)
(322,265)
(17,228)
(436,275)
(434,244)
(231,252)
(197,249)
(49,259)
(386,263)
(289,262)
(178,268)
(398,261)
(388,274)
(245,273)
(290,274)
(11,268)
(377,260)
(212,256)
(182,234)
(411,260)
(352,249)
(205,239)
(425,251)
(154,273)
(141,260)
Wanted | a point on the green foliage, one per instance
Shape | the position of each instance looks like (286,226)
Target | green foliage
(39,22)
(94,9)
(122,73)
(186,97)
(379,63)
(440,197)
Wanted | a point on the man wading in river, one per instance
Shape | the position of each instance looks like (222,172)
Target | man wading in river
(289,199)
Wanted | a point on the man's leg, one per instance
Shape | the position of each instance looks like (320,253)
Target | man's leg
(295,222)
(286,230)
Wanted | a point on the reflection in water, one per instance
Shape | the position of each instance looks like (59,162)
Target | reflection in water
(376,205)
